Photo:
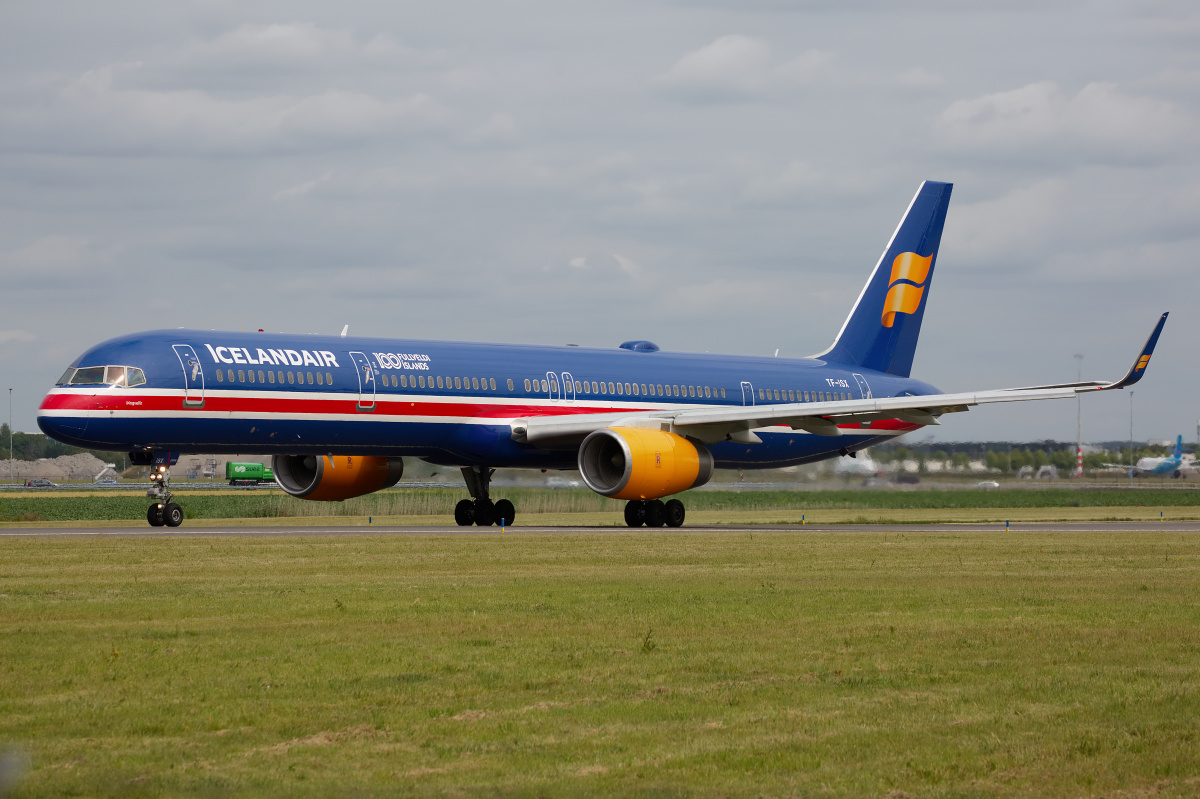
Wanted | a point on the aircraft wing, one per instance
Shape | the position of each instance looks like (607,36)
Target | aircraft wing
(714,424)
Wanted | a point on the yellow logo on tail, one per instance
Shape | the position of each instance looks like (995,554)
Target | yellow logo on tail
(1141,364)
(905,297)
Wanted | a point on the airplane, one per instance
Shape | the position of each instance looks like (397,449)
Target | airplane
(338,415)
(1172,465)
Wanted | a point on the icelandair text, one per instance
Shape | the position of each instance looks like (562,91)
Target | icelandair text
(272,357)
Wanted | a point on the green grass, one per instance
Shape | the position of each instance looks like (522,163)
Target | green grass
(440,502)
(641,664)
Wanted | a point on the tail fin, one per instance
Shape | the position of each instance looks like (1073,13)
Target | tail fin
(882,329)
(1178,447)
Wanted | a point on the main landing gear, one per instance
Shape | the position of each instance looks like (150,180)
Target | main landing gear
(654,513)
(480,510)
(164,511)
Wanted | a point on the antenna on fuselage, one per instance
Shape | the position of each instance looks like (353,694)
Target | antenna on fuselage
(345,330)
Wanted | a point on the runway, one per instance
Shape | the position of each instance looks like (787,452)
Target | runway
(201,530)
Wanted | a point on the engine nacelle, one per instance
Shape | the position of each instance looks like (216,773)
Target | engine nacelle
(328,478)
(635,463)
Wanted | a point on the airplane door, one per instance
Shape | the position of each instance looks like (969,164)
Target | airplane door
(863,388)
(193,376)
(747,393)
(366,381)
(552,382)
(568,389)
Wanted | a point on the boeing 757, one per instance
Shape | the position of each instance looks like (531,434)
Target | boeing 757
(340,414)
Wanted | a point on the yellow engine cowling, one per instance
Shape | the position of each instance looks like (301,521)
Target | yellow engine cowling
(634,463)
(328,478)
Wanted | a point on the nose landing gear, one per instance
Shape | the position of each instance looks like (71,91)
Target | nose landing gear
(480,510)
(164,512)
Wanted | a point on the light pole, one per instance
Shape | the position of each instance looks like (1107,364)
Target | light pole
(10,477)
(1079,423)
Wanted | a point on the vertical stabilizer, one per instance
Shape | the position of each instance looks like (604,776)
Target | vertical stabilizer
(882,329)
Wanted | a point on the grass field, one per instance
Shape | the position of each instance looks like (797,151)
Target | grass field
(437,505)
(642,664)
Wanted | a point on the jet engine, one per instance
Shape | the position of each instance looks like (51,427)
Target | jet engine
(635,463)
(328,478)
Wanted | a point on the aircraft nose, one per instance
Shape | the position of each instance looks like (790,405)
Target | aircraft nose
(62,417)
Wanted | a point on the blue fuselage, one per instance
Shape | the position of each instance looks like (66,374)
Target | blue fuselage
(446,402)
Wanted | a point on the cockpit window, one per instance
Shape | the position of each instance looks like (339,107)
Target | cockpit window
(88,376)
(121,376)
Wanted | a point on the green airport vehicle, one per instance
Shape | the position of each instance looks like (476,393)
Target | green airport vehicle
(248,474)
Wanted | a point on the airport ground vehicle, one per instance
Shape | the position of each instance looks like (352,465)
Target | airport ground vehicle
(248,474)
(39,483)
(338,415)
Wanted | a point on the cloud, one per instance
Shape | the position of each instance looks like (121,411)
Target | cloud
(993,231)
(498,130)
(578,263)
(736,68)
(193,120)
(7,336)
(1100,120)
(628,265)
(302,189)
(920,78)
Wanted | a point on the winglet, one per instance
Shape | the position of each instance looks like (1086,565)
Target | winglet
(1143,359)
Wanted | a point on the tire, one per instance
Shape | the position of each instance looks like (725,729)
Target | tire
(485,513)
(464,513)
(155,514)
(675,513)
(656,513)
(635,513)
(505,512)
(173,515)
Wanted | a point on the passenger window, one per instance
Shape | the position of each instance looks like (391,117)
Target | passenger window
(280,377)
(492,383)
(554,386)
(422,379)
(595,387)
(310,378)
(761,394)
(321,379)
(527,387)
(270,377)
(722,393)
(241,376)
(250,375)
(262,377)
(220,375)
(135,377)
(291,378)
(440,383)
(578,387)
(545,386)
(707,392)
(603,388)
(620,388)
(510,384)
(474,383)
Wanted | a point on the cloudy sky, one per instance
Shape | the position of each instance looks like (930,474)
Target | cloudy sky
(710,176)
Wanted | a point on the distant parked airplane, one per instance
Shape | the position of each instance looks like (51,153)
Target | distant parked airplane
(1172,465)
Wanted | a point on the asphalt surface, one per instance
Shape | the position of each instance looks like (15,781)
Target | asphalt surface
(194,529)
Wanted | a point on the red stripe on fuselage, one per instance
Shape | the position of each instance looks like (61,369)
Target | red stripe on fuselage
(293,406)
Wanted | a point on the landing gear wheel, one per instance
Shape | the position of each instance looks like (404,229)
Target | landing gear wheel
(485,513)
(656,513)
(635,513)
(675,513)
(173,514)
(505,512)
(155,515)
(464,513)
